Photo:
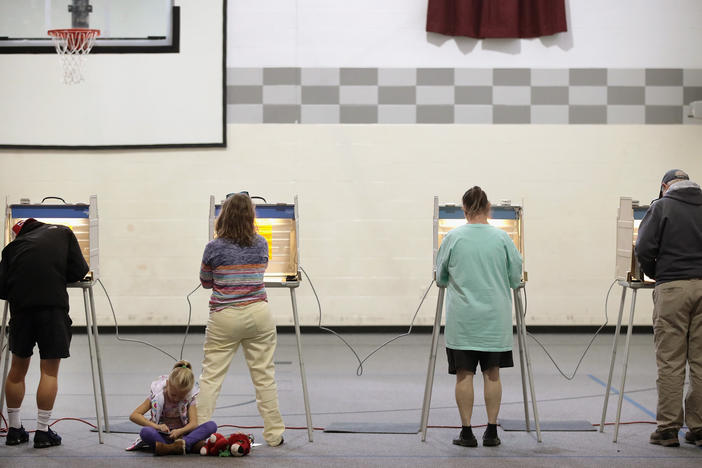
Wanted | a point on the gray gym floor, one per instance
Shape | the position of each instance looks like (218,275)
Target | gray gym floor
(390,390)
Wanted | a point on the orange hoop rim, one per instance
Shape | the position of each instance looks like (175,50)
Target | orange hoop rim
(68,32)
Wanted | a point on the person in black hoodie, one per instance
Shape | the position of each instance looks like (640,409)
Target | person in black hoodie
(34,271)
(669,249)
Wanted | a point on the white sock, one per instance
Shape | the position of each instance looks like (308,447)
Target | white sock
(14,415)
(43,420)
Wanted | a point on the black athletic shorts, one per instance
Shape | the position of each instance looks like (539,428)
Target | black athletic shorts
(48,328)
(467,359)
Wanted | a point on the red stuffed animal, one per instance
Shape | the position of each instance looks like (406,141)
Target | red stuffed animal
(236,445)
(239,444)
(215,444)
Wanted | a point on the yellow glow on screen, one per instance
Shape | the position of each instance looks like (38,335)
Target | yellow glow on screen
(264,227)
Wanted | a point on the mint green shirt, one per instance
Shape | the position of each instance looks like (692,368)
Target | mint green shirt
(478,264)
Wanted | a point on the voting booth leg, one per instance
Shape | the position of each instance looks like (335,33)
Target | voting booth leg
(530,374)
(305,395)
(7,354)
(432,364)
(99,360)
(522,366)
(627,346)
(89,333)
(613,358)
(5,370)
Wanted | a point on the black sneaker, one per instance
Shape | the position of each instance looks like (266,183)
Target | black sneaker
(490,440)
(466,441)
(16,436)
(666,438)
(48,438)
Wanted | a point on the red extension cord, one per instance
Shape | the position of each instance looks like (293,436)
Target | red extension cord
(3,430)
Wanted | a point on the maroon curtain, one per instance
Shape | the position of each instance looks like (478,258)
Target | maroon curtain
(496,18)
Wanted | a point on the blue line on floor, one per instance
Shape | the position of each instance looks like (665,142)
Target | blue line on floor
(630,400)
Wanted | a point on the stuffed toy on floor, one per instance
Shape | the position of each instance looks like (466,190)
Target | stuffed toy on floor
(235,445)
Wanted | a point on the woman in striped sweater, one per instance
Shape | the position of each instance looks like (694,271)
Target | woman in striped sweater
(233,266)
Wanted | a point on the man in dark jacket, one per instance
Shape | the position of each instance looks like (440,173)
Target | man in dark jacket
(34,271)
(669,249)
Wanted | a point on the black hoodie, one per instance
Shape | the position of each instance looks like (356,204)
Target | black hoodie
(669,245)
(38,264)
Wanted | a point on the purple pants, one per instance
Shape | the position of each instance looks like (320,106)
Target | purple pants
(150,435)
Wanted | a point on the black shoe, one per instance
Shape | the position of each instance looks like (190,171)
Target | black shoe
(490,440)
(469,441)
(666,438)
(48,438)
(694,437)
(16,436)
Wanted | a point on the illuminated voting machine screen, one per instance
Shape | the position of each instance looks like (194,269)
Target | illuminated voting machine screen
(278,224)
(629,218)
(509,218)
(82,218)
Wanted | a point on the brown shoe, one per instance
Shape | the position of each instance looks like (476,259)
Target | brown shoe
(666,438)
(176,448)
(694,437)
(197,446)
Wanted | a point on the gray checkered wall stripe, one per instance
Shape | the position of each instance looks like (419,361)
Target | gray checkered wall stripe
(461,95)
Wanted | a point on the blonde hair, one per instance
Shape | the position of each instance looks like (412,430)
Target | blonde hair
(181,377)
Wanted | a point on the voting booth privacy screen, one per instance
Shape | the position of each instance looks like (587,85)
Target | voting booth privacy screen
(629,218)
(81,218)
(507,218)
(278,224)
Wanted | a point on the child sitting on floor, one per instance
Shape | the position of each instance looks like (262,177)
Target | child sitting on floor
(172,428)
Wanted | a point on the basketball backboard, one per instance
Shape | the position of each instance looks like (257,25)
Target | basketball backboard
(125,25)
(127,99)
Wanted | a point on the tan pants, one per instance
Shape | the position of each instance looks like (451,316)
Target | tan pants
(253,328)
(677,331)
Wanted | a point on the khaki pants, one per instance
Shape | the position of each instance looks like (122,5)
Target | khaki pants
(251,327)
(677,331)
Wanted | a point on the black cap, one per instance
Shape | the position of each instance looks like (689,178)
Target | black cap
(673,174)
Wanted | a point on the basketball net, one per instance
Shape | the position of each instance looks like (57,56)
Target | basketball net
(73,46)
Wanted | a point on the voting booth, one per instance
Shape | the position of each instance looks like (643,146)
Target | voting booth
(82,219)
(509,218)
(628,275)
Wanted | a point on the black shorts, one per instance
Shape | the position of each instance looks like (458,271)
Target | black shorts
(48,328)
(467,359)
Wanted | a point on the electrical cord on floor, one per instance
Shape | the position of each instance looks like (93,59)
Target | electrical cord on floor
(114,316)
(409,330)
(319,323)
(359,369)
(3,431)
(571,377)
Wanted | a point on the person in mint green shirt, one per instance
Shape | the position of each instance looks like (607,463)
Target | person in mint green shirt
(478,265)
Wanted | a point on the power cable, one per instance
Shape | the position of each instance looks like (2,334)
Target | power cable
(409,330)
(571,377)
(190,314)
(319,323)
(359,369)
(114,316)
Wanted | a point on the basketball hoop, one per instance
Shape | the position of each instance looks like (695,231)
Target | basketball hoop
(73,45)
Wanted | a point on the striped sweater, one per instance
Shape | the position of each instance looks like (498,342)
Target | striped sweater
(234,273)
